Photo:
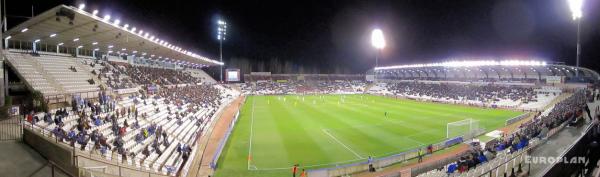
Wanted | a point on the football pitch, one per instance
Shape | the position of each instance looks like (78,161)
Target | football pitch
(275,132)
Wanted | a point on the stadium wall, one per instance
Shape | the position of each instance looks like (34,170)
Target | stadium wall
(59,155)
(213,163)
(518,118)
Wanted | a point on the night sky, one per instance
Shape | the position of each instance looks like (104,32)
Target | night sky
(328,33)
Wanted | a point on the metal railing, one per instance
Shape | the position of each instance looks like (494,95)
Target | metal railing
(11,129)
(66,98)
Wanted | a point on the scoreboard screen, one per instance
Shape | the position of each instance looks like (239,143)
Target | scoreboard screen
(232,75)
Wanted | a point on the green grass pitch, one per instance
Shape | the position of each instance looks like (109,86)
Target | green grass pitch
(320,131)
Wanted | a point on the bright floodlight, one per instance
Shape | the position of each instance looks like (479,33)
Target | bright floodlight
(576,6)
(95,12)
(377,39)
(221,30)
(81,6)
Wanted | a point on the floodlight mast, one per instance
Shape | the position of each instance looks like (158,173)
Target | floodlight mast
(221,36)
(576,11)
(378,42)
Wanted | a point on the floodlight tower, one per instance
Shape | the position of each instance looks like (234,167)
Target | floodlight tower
(221,36)
(577,13)
(378,42)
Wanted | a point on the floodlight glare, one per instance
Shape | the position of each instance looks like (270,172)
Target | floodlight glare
(125,26)
(117,21)
(576,6)
(81,6)
(106,17)
(377,39)
(95,12)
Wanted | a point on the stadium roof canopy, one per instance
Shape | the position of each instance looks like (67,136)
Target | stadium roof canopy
(486,69)
(74,27)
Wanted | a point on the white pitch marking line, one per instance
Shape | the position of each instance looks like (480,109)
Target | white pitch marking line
(251,133)
(338,141)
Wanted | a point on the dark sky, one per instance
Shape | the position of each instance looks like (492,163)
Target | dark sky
(329,32)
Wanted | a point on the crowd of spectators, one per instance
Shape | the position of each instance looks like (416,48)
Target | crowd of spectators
(115,78)
(204,96)
(482,93)
(302,87)
(105,110)
(147,75)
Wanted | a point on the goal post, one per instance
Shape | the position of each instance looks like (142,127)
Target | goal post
(467,128)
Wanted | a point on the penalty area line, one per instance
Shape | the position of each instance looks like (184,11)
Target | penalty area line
(344,145)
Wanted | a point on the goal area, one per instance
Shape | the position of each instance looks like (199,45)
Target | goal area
(466,129)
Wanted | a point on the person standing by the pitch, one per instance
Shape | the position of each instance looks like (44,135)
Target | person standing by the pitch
(294,170)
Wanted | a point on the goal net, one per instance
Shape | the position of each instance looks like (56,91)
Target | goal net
(467,129)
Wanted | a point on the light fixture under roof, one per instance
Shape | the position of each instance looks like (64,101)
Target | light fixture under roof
(76,39)
(470,64)
(94,43)
(59,44)
(24,30)
(53,35)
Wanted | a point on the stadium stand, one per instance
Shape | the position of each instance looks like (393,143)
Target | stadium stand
(152,132)
(488,95)
(304,87)
(32,72)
